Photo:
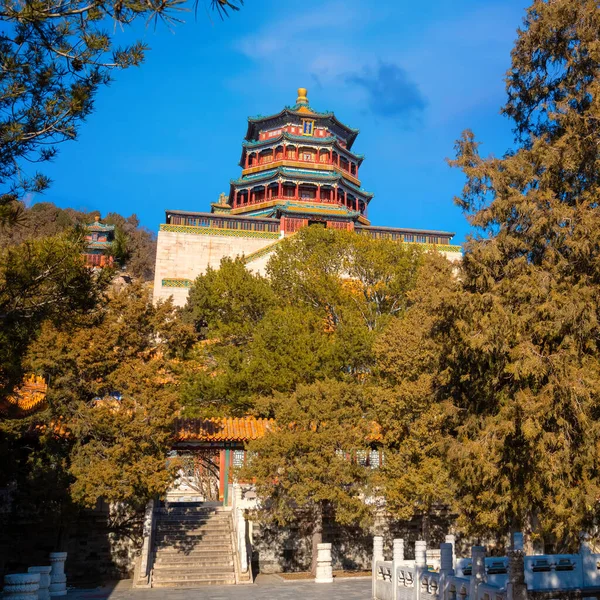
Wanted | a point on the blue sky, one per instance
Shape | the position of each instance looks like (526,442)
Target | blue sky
(410,75)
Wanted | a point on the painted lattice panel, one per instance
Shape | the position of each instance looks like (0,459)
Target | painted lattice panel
(267,235)
(177,283)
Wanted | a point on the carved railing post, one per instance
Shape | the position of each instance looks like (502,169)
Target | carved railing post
(148,540)
(324,570)
(451,539)
(21,586)
(240,528)
(446,569)
(397,560)
(516,589)
(420,566)
(377,556)
(43,592)
(478,570)
(58,579)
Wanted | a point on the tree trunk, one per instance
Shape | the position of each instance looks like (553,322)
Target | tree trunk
(317,537)
(425,526)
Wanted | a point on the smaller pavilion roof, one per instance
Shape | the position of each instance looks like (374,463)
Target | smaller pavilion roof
(27,398)
(224,429)
(97,225)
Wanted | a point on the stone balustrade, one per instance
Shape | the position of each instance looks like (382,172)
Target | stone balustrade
(511,577)
(240,531)
(142,578)
(40,582)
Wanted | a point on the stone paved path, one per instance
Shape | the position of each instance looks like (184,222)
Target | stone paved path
(267,589)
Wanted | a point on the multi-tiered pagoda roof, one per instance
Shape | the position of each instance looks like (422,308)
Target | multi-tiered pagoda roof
(298,169)
(298,166)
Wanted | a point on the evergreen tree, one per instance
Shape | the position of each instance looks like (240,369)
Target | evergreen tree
(306,321)
(298,346)
(40,280)
(522,359)
(112,395)
(414,477)
(55,57)
(308,463)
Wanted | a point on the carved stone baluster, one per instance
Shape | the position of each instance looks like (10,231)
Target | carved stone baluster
(43,592)
(478,570)
(58,579)
(324,570)
(21,586)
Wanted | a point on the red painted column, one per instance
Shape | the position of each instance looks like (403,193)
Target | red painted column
(235,198)
(297,153)
(279,186)
(221,474)
(296,192)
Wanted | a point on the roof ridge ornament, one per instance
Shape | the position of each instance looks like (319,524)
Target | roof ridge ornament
(302,97)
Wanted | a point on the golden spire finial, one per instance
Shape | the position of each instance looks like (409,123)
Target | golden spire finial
(302,98)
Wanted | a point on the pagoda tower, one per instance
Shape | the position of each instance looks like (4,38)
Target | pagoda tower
(298,166)
(298,169)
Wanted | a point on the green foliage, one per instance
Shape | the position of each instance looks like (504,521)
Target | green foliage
(134,248)
(40,280)
(521,349)
(112,387)
(414,477)
(55,58)
(298,346)
(306,321)
(308,462)
(229,301)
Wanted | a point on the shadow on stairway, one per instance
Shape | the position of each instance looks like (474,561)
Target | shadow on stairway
(193,546)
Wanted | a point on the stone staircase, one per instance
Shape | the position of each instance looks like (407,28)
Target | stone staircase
(193,546)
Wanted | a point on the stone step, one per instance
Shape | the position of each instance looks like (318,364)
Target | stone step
(188,572)
(192,513)
(192,509)
(172,575)
(190,584)
(196,518)
(177,527)
(201,536)
(169,548)
(191,518)
(191,504)
(199,552)
(192,561)
(197,534)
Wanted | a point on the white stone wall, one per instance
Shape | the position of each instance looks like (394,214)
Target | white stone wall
(451,256)
(186,255)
